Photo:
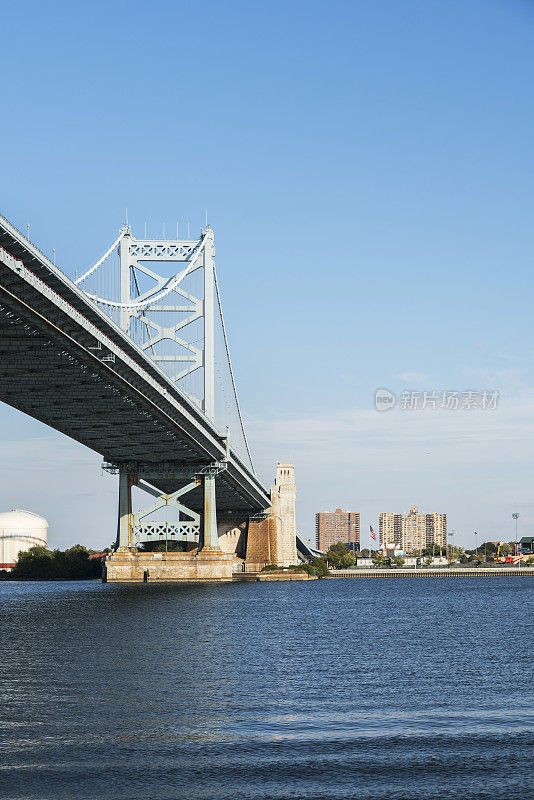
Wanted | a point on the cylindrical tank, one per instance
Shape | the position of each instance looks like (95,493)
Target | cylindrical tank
(20,530)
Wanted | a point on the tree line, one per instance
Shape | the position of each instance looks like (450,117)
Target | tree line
(40,564)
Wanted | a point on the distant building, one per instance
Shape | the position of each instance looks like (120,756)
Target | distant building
(412,531)
(336,526)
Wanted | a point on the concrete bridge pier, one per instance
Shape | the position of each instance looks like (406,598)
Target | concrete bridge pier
(125,520)
(209,535)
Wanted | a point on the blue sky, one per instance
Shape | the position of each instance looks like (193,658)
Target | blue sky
(368,170)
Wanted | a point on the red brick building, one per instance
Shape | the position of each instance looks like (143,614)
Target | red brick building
(336,526)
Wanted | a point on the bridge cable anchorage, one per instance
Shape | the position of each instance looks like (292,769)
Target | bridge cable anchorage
(231,369)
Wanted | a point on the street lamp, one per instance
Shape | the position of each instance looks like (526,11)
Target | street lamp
(451,552)
(476,545)
(516,517)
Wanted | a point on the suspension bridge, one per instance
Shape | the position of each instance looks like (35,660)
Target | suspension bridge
(131,359)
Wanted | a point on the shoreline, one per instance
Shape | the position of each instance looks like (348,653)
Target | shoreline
(429,572)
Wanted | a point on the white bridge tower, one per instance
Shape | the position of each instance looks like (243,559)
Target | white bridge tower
(164,295)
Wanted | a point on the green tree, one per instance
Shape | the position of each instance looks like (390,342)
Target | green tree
(398,561)
(365,552)
(39,563)
(321,567)
(309,568)
(77,566)
(347,560)
(336,553)
(378,559)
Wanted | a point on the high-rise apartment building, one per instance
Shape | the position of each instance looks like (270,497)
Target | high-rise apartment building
(336,526)
(412,531)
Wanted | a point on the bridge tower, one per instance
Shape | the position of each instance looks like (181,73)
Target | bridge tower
(175,320)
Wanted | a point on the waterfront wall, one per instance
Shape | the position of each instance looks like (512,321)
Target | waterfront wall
(447,572)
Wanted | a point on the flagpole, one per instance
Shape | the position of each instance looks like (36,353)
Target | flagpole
(372,535)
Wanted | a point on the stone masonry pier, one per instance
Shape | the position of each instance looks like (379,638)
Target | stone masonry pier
(129,566)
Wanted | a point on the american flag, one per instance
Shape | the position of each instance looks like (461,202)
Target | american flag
(372,533)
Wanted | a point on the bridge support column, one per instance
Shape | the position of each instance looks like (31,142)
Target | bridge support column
(210,536)
(125,523)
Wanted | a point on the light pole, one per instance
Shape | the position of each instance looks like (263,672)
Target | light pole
(451,535)
(516,517)
(476,545)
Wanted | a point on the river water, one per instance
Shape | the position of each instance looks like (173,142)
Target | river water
(368,689)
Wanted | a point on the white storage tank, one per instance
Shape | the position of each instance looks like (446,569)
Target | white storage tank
(20,530)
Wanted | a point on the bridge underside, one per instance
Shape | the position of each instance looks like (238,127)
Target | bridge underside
(43,377)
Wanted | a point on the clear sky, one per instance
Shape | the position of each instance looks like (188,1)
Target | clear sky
(368,169)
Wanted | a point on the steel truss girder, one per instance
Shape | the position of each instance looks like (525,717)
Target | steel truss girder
(162,250)
(181,531)
(187,530)
(133,530)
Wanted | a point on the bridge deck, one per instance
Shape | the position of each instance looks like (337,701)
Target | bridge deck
(68,365)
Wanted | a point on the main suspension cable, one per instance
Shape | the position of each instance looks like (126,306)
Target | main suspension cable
(231,370)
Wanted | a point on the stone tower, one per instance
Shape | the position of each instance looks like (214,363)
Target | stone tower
(274,540)
(283,498)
